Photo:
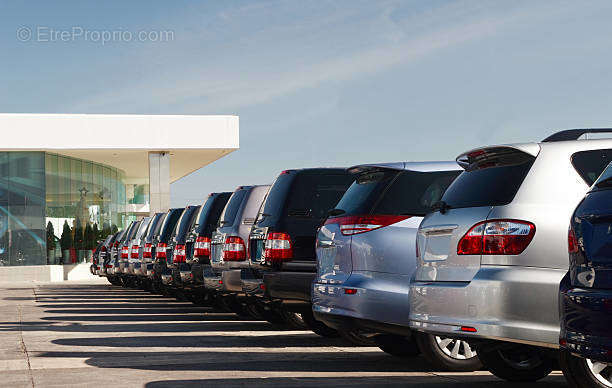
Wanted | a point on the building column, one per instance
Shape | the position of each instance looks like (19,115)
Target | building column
(159,182)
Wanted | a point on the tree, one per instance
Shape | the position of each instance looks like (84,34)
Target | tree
(66,239)
(88,237)
(50,237)
(78,236)
(106,230)
(97,234)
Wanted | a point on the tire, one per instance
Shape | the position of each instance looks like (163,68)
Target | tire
(397,346)
(517,363)
(356,337)
(293,320)
(583,373)
(318,327)
(446,354)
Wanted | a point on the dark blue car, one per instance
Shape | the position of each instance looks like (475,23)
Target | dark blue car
(586,291)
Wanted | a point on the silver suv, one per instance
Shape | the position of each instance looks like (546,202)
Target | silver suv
(492,254)
(366,256)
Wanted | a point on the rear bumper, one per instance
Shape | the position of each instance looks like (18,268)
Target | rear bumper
(379,297)
(212,279)
(508,303)
(251,281)
(186,274)
(231,281)
(294,286)
(343,322)
(586,321)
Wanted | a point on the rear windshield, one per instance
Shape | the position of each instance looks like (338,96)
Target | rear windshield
(185,222)
(492,181)
(157,227)
(133,230)
(169,224)
(230,211)
(312,196)
(605,179)
(305,195)
(589,164)
(210,212)
(395,192)
(144,224)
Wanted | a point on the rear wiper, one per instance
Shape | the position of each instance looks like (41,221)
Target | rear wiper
(441,206)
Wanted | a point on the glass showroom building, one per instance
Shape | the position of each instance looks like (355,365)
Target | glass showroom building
(38,188)
(103,172)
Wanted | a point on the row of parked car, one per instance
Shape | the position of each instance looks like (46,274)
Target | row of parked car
(465,262)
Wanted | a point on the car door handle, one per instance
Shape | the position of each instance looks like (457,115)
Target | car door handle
(326,243)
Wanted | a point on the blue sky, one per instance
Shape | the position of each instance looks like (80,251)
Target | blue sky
(322,83)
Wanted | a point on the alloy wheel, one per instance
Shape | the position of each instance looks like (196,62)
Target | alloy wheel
(601,371)
(454,348)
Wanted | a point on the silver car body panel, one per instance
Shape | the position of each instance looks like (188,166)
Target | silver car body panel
(377,264)
(245,217)
(507,297)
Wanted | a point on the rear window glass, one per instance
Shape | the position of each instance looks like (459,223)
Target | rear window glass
(590,164)
(230,211)
(157,228)
(396,192)
(605,179)
(210,213)
(187,220)
(312,196)
(170,223)
(489,183)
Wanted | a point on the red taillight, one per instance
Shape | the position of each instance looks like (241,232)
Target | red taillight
(134,251)
(179,254)
(160,251)
(202,247)
(104,248)
(278,247)
(234,249)
(147,251)
(572,241)
(124,252)
(497,237)
(350,225)
(108,266)
(468,329)
(350,291)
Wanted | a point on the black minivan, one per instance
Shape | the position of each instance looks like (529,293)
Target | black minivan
(282,240)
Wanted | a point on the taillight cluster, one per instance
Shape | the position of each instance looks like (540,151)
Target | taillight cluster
(572,241)
(147,251)
(234,249)
(160,251)
(278,247)
(497,237)
(134,251)
(124,252)
(202,247)
(179,254)
(351,225)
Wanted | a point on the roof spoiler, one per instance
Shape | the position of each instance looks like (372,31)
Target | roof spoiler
(574,134)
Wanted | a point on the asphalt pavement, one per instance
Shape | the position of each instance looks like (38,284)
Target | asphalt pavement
(98,335)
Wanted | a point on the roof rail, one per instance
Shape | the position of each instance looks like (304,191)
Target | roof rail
(574,134)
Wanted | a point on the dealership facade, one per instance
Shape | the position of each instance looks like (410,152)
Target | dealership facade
(92,173)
